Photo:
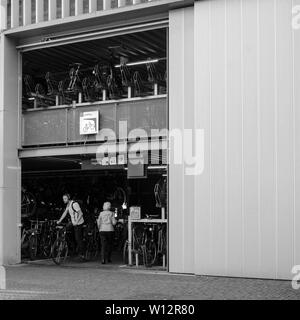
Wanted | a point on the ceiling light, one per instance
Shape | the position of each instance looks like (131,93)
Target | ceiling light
(139,63)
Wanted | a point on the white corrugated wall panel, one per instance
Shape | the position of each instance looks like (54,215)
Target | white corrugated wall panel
(285,137)
(296,109)
(247,70)
(234,135)
(217,106)
(250,155)
(181,187)
(267,91)
(203,199)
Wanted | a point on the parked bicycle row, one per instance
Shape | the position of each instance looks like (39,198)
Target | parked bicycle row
(149,245)
(89,239)
(104,81)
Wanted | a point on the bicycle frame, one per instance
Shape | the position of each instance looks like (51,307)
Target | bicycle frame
(153,75)
(138,83)
(101,73)
(74,78)
(50,84)
(28,204)
(137,242)
(61,245)
(125,75)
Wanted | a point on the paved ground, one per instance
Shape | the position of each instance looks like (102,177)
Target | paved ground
(94,281)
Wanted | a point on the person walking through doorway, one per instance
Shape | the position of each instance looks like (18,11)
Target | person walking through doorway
(106,222)
(76,214)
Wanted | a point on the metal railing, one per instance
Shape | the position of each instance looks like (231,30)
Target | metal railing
(18,13)
(57,126)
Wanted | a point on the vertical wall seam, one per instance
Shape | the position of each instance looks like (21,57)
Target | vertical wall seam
(225,145)
(195,183)
(183,126)
(294,141)
(259,141)
(210,137)
(242,138)
(276,138)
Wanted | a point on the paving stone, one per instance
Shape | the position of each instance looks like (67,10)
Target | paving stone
(93,281)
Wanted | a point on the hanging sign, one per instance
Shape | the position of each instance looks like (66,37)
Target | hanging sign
(89,122)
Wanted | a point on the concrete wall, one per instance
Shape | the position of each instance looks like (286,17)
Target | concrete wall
(10,173)
(246,219)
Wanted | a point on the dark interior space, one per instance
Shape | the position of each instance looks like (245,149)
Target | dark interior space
(47,72)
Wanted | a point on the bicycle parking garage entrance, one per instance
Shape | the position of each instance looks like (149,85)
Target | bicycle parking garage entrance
(94,120)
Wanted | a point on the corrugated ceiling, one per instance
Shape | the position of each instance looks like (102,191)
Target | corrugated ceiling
(135,46)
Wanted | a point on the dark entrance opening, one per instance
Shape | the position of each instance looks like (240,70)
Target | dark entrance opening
(46,180)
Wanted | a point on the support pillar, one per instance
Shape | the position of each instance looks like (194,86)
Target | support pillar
(10,169)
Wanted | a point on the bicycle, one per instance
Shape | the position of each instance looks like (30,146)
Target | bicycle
(29,240)
(60,247)
(101,73)
(150,249)
(29,85)
(126,77)
(160,193)
(47,237)
(28,204)
(28,244)
(138,246)
(161,242)
(88,90)
(138,84)
(118,198)
(56,88)
(34,243)
(89,127)
(74,82)
(153,75)
(92,241)
(119,235)
(51,85)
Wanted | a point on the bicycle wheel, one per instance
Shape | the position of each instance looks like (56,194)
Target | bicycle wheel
(92,249)
(119,227)
(33,247)
(28,204)
(46,247)
(150,253)
(133,255)
(125,253)
(59,251)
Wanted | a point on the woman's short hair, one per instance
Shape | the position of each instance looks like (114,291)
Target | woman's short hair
(106,206)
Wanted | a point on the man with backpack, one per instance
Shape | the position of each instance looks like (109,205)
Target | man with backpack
(76,214)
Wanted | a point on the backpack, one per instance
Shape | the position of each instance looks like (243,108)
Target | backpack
(85,211)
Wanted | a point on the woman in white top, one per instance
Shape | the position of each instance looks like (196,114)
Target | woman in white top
(106,222)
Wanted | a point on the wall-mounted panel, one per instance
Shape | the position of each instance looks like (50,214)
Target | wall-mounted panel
(61,125)
(246,76)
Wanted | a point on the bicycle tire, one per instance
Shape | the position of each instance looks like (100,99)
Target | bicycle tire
(125,253)
(92,250)
(59,251)
(150,253)
(33,247)
(46,248)
(28,205)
